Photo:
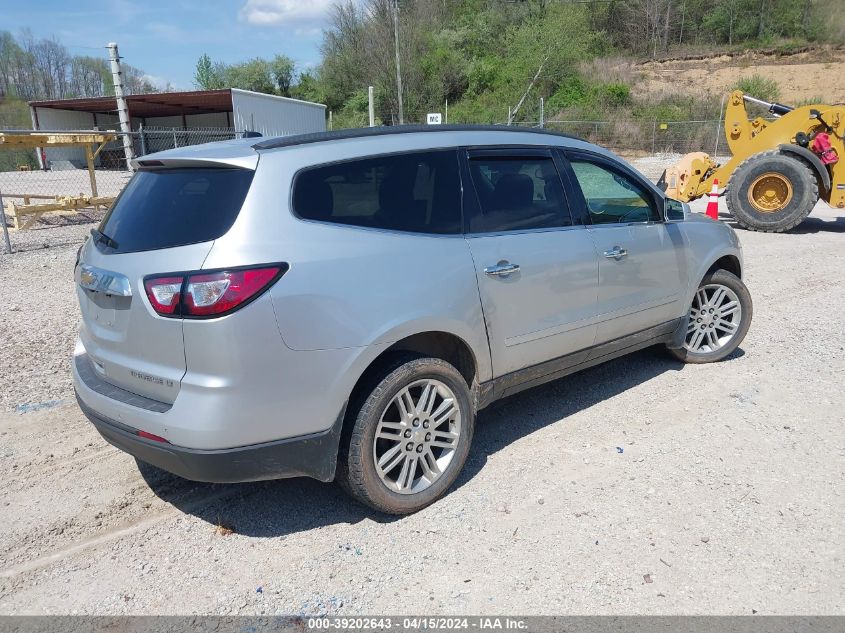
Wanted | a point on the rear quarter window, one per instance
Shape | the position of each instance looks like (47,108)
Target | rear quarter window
(165,208)
(417,192)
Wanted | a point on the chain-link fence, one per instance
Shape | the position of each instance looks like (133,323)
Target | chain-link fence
(648,137)
(627,137)
(149,140)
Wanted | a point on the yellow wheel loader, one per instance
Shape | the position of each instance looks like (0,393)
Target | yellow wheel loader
(779,169)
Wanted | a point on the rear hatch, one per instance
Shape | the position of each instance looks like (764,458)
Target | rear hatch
(165,220)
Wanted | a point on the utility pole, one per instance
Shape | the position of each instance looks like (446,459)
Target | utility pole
(398,68)
(122,109)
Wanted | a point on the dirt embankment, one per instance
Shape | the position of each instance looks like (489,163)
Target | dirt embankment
(804,75)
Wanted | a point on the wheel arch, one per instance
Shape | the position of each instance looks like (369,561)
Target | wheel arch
(815,164)
(435,343)
(730,263)
(707,260)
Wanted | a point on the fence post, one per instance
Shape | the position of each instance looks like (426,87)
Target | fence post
(542,114)
(175,143)
(143,141)
(5,228)
(653,136)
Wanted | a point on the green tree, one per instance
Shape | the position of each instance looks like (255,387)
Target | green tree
(282,68)
(308,87)
(255,75)
(206,75)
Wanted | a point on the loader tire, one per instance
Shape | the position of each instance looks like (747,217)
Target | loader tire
(772,192)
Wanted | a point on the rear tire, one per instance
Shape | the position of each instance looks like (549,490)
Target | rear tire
(772,192)
(410,436)
(720,316)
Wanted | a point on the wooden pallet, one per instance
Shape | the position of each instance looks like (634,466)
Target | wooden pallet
(25,215)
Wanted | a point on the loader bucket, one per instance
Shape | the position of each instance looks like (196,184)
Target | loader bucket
(682,180)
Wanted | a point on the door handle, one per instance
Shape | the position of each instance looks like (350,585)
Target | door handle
(502,269)
(617,252)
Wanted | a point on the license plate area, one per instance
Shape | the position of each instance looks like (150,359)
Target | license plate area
(107,311)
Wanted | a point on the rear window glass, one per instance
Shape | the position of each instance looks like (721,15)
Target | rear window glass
(418,192)
(175,207)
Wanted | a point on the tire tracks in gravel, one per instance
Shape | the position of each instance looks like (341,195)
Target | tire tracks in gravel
(124,529)
(71,491)
(23,473)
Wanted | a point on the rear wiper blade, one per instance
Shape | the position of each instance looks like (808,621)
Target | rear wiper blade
(99,236)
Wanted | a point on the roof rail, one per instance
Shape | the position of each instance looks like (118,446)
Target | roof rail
(317,137)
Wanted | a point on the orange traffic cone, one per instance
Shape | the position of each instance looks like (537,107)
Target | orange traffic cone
(713,201)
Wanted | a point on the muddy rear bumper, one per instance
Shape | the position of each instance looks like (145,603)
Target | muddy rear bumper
(312,456)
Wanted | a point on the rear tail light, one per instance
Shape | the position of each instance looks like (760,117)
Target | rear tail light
(164,294)
(205,294)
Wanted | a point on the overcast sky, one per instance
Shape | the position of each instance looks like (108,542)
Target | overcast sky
(165,37)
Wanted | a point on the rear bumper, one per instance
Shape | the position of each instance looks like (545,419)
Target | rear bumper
(312,456)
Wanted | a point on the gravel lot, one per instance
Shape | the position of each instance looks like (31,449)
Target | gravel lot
(727,499)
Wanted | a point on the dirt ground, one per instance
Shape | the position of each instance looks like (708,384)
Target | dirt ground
(802,77)
(639,487)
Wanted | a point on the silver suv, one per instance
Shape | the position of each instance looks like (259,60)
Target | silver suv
(341,305)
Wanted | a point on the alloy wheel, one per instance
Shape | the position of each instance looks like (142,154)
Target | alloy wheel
(714,319)
(417,436)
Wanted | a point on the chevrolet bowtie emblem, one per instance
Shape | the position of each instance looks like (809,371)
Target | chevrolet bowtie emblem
(105,281)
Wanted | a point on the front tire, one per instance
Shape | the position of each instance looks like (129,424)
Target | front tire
(772,192)
(719,318)
(410,436)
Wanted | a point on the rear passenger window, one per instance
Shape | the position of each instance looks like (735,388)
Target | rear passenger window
(611,197)
(517,194)
(408,192)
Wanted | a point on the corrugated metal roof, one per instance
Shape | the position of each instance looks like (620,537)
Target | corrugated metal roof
(149,105)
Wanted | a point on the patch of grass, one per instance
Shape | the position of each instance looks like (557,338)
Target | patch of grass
(580,93)
(808,101)
(223,527)
(759,87)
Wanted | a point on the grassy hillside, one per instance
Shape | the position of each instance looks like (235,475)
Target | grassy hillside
(585,60)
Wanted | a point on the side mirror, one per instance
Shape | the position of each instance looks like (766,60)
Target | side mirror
(675,210)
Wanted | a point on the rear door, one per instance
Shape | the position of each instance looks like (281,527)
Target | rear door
(640,271)
(537,270)
(164,221)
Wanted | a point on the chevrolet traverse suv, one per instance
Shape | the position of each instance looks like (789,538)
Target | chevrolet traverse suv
(340,305)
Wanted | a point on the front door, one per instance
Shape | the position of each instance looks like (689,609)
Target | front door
(537,271)
(640,278)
